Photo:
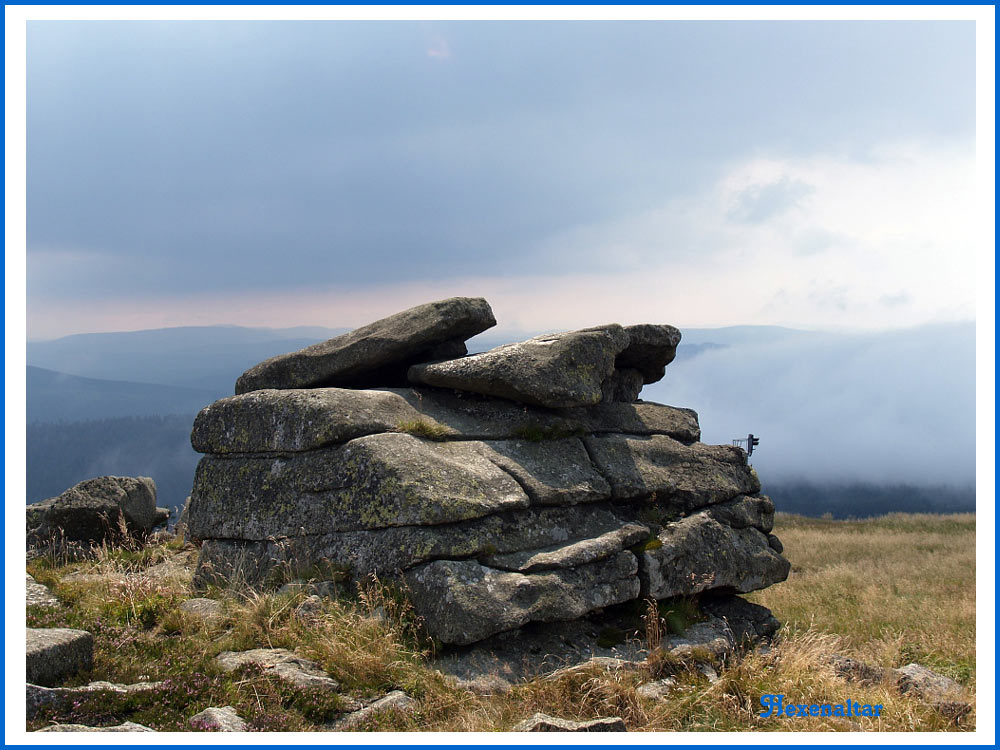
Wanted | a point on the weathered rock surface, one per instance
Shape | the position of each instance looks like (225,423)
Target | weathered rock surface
(698,553)
(297,671)
(214,719)
(397,700)
(748,622)
(128,726)
(684,476)
(378,353)
(463,601)
(39,697)
(387,551)
(89,511)
(516,487)
(559,369)
(656,691)
(940,692)
(544,723)
(56,653)
(369,483)
(292,421)
(935,690)
(570,555)
(38,595)
(651,348)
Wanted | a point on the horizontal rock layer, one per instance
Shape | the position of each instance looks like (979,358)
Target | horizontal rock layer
(293,421)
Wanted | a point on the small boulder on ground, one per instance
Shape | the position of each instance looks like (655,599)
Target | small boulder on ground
(38,697)
(89,512)
(379,353)
(38,595)
(214,719)
(54,654)
(302,673)
(544,723)
(397,700)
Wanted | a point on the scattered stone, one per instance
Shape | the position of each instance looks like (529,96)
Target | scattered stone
(604,663)
(926,683)
(940,692)
(88,512)
(214,719)
(302,673)
(379,353)
(712,638)
(39,697)
(853,670)
(128,726)
(748,622)
(37,595)
(935,690)
(310,608)
(56,653)
(209,611)
(397,701)
(556,370)
(544,723)
(656,691)
(708,671)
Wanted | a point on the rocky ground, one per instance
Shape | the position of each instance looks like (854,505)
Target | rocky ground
(137,650)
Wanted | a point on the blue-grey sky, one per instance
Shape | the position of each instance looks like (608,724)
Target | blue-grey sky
(814,174)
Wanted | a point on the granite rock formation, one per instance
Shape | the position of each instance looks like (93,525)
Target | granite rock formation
(89,512)
(524,484)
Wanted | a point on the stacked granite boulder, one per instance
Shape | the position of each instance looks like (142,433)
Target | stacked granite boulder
(522,484)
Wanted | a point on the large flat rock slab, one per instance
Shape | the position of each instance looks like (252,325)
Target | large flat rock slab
(462,601)
(689,476)
(386,552)
(570,555)
(555,370)
(698,553)
(378,353)
(369,483)
(297,420)
(53,654)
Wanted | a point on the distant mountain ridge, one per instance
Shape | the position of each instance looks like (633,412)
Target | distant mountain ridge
(58,397)
(212,357)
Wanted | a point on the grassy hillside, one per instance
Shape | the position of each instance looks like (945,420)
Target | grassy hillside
(888,591)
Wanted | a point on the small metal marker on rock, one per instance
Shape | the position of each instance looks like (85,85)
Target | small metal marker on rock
(748,443)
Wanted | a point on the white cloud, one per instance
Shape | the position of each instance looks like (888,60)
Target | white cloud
(817,241)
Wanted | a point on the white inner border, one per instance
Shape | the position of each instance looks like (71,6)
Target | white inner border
(15,276)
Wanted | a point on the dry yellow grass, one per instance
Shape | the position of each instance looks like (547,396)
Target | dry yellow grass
(896,589)
(888,591)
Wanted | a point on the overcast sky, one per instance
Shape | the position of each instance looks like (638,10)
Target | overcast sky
(810,174)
